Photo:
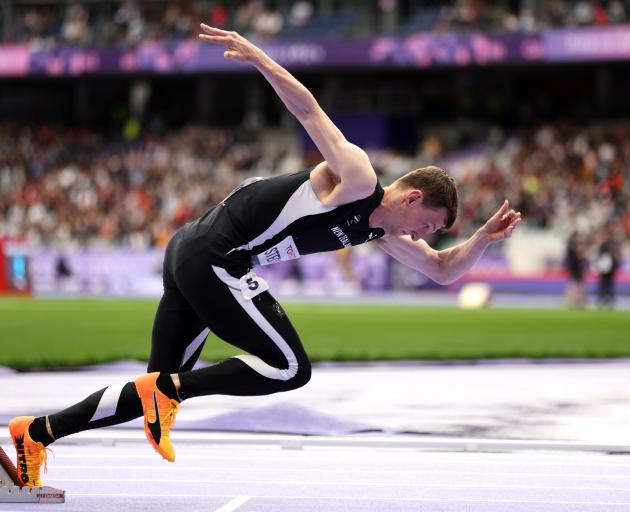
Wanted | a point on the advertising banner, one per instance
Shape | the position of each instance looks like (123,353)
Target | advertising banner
(420,50)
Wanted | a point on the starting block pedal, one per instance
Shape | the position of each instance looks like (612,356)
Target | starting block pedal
(11,492)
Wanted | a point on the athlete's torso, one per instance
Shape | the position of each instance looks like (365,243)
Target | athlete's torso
(264,221)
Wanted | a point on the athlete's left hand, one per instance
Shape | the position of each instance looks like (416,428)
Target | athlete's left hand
(502,224)
(238,48)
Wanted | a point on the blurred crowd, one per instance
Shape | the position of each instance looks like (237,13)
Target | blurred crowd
(563,177)
(86,22)
(78,187)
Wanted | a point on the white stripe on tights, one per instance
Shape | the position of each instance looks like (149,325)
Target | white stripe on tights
(194,345)
(254,362)
(108,402)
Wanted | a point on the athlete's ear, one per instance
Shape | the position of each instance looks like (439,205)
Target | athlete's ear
(414,196)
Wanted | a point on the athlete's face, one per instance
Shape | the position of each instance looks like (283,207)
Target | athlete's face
(416,220)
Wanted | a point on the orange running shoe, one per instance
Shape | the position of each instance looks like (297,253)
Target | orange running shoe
(159,414)
(30,454)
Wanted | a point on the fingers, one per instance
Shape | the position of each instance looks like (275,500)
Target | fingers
(510,229)
(501,211)
(213,30)
(216,35)
(214,39)
(229,54)
(510,215)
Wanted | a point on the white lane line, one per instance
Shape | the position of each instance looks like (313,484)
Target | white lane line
(419,459)
(360,498)
(188,469)
(346,484)
(232,505)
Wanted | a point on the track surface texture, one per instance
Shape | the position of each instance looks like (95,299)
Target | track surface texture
(224,477)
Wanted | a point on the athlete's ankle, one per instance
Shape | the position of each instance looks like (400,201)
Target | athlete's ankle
(38,430)
(166,385)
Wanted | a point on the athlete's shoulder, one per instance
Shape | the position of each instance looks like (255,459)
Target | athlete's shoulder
(376,192)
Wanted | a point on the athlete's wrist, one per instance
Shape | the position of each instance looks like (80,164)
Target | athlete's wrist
(483,236)
(260,59)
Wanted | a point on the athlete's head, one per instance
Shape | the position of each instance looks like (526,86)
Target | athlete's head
(438,190)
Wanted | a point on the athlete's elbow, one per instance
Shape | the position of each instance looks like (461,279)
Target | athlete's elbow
(436,277)
(444,280)
(442,275)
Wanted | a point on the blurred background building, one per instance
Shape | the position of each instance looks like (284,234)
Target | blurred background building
(117,126)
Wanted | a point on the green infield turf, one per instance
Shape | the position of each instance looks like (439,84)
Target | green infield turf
(47,332)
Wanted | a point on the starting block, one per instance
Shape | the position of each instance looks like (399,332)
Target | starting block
(11,492)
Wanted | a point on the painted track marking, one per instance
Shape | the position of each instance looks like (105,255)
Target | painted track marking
(232,505)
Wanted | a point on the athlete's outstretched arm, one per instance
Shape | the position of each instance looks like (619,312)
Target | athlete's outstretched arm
(448,265)
(347,161)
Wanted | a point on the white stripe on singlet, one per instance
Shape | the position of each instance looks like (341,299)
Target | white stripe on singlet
(108,402)
(254,362)
(303,202)
(194,345)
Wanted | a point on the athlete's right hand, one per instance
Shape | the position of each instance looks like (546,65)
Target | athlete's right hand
(238,48)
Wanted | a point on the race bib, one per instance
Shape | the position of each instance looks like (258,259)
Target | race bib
(282,251)
(252,285)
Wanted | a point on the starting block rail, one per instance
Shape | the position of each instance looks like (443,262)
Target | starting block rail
(11,492)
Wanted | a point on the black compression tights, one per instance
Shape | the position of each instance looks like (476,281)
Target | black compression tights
(198,299)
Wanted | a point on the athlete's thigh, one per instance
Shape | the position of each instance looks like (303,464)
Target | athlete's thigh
(258,325)
(264,330)
(178,334)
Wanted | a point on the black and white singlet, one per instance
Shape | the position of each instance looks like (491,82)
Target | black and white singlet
(267,220)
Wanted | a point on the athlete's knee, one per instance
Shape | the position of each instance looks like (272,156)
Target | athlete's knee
(301,377)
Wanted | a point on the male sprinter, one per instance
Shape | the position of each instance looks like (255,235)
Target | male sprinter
(209,285)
